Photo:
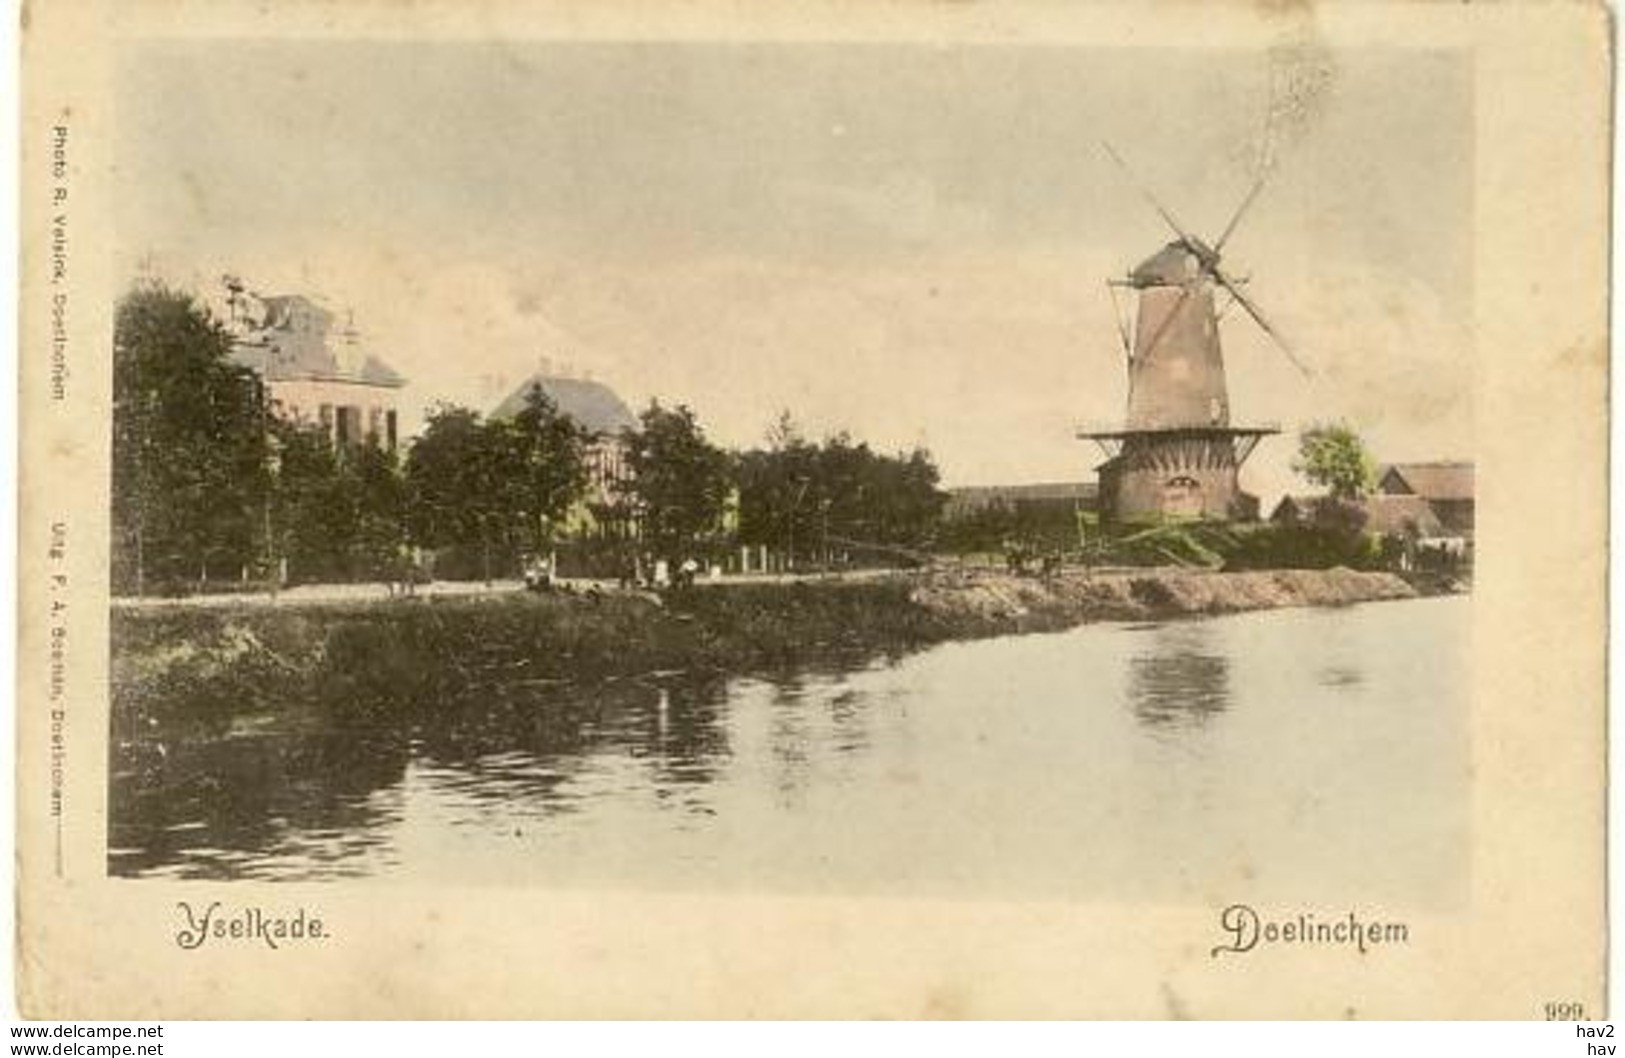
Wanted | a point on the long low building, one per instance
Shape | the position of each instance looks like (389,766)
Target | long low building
(1070,496)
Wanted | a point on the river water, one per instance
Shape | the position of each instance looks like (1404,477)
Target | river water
(1290,753)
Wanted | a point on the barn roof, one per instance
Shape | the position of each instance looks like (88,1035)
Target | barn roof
(1433,481)
(1293,507)
(593,405)
(1384,513)
(1399,514)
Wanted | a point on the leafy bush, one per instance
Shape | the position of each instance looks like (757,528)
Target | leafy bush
(1304,547)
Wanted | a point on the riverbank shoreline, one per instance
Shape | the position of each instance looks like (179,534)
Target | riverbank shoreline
(372,658)
(1070,598)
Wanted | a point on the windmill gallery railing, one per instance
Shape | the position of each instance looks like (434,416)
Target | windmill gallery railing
(1109,437)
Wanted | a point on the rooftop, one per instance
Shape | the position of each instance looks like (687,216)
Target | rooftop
(1398,514)
(1172,265)
(1384,513)
(289,336)
(596,407)
(969,498)
(1442,480)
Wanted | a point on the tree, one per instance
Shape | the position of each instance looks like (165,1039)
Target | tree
(1333,456)
(376,539)
(503,486)
(542,468)
(309,508)
(800,496)
(339,513)
(191,473)
(452,474)
(679,481)
(774,487)
(906,498)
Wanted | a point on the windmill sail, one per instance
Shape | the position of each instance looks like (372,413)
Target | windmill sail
(1206,257)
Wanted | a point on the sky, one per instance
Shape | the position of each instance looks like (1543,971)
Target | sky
(907,242)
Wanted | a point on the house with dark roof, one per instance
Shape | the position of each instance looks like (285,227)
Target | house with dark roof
(594,406)
(1446,487)
(314,371)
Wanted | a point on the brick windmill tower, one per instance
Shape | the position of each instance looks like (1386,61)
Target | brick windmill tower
(1178,452)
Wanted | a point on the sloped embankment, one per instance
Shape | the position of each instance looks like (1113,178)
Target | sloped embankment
(1078,597)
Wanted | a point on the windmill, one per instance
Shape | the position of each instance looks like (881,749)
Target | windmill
(1178,453)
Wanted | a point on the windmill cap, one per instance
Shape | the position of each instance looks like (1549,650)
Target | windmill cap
(1173,265)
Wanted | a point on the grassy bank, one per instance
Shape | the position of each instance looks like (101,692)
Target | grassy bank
(356,660)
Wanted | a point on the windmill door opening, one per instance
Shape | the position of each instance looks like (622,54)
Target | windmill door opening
(1182,498)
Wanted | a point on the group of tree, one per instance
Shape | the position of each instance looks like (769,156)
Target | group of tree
(812,501)
(1333,532)
(334,514)
(678,485)
(486,492)
(210,484)
(191,450)
(495,489)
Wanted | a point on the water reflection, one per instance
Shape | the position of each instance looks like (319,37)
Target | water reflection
(1292,750)
(217,806)
(1340,676)
(802,727)
(671,725)
(1178,679)
(195,799)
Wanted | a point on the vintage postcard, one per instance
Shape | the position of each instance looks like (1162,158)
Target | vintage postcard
(833,510)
